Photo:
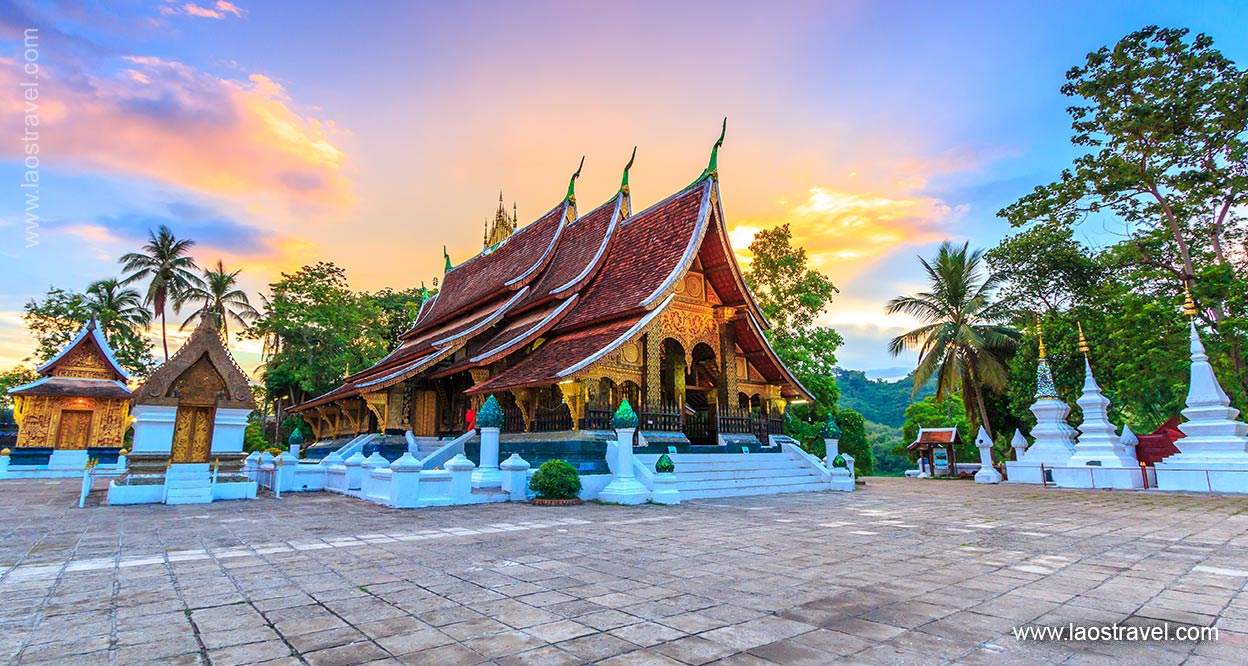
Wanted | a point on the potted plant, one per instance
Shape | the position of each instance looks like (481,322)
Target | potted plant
(556,484)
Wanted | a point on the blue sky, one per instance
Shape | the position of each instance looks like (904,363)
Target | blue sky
(278,134)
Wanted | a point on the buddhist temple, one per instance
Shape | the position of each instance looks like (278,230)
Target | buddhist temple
(78,408)
(189,418)
(567,316)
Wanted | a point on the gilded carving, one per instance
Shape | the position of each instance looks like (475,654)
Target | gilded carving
(192,434)
(575,395)
(84,361)
(630,352)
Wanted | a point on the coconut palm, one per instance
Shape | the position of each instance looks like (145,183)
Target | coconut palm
(218,294)
(116,307)
(962,339)
(167,267)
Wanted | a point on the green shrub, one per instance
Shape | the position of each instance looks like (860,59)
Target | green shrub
(556,479)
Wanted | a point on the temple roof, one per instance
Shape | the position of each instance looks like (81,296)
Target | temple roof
(81,387)
(929,437)
(89,343)
(205,342)
(570,290)
(510,266)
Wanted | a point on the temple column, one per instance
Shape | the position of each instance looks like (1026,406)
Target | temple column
(479,375)
(727,384)
(575,396)
(652,389)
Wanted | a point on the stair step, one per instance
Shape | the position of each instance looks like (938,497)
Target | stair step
(705,493)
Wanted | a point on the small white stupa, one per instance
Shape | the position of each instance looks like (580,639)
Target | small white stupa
(987,473)
(1214,454)
(1100,459)
(1054,438)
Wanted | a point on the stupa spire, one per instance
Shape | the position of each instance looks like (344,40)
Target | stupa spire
(1045,387)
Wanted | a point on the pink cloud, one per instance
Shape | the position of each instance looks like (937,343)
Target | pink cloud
(172,123)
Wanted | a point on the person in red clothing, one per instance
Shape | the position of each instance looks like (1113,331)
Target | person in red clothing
(471,417)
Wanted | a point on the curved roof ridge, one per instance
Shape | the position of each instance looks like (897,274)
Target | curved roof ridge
(595,262)
(92,327)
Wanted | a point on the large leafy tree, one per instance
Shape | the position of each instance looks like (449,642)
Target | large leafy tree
(165,263)
(963,341)
(55,318)
(219,296)
(792,295)
(315,330)
(1164,119)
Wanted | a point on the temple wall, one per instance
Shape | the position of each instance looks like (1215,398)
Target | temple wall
(42,417)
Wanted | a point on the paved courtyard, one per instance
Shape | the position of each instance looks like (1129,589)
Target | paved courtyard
(903,571)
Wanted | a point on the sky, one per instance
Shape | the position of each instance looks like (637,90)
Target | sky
(370,134)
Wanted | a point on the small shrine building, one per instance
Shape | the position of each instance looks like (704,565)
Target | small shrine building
(189,417)
(78,408)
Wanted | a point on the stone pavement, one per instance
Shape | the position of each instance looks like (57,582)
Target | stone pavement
(903,571)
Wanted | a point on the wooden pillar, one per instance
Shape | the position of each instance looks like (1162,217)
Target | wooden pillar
(652,389)
(727,385)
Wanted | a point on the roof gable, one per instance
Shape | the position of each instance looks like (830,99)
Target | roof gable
(204,349)
(87,355)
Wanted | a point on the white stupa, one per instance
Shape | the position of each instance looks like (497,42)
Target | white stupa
(1054,438)
(1214,454)
(1100,460)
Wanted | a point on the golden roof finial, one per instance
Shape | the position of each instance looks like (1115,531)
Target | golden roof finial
(1083,342)
(1040,337)
(1189,306)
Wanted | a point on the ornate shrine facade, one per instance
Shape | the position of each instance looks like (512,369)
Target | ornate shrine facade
(79,403)
(573,313)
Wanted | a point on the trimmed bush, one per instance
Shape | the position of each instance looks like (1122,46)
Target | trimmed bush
(840,461)
(557,480)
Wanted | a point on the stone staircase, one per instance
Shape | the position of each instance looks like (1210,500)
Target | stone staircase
(701,475)
(189,483)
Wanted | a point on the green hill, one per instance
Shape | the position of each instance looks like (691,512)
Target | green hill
(879,401)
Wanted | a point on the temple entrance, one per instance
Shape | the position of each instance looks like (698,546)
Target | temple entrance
(425,413)
(701,400)
(192,434)
(75,430)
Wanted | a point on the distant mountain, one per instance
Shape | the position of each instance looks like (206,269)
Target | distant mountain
(889,374)
(879,401)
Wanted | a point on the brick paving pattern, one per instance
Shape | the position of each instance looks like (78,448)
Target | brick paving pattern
(901,572)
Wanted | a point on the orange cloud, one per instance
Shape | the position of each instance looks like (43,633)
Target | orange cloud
(169,122)
(845,232)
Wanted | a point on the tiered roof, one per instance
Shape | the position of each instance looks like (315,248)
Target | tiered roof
(86,367)
(584,285)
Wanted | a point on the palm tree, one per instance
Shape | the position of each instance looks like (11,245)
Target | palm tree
(117,308)
(962,339)
(218,293)
(164,262)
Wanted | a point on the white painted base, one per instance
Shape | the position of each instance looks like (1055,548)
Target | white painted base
(118,494)
(1098,477)
(665,491)
(1018,471)
(1201,478)
(987,475)
(624,491)
(234,491)
(842,480)
(705,475)
(487,478)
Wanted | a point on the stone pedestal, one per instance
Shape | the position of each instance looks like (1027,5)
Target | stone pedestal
(842,479)
(461,478)
(624,487)
(405,482)
(987,473)
(487,473)
(665,491)
(355,474)
(515,478)
(1213,456)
